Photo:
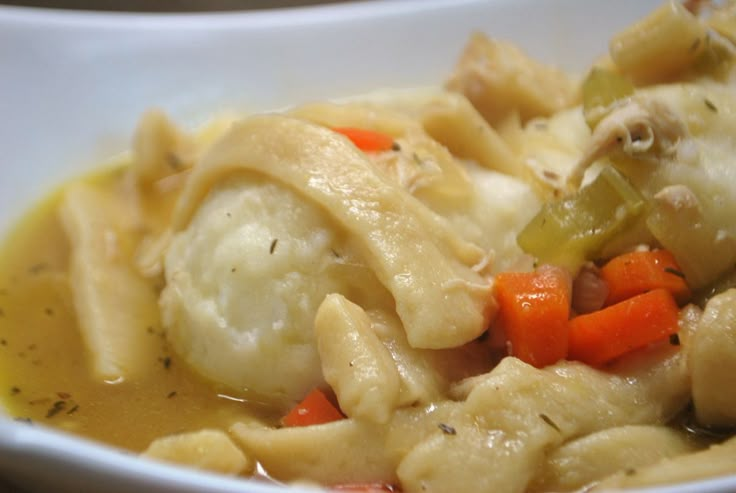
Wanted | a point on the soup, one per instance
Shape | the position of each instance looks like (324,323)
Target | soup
(519,282)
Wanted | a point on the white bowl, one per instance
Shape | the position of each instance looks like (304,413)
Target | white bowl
(73,84)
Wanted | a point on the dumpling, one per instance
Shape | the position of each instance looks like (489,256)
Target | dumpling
(244,281)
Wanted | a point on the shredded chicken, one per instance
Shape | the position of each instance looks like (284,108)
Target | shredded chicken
(639,126)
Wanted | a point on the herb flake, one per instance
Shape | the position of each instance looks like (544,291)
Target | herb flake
(55,409)
(38,268)
(549,421)
(674,272)
(447,429)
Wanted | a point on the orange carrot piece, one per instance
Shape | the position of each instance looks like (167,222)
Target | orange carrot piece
(634,273)
(534,308)
(315,409)
(367,488)
(597,338)
(367,140)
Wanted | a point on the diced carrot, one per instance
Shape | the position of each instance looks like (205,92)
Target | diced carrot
(367,488)
(534,308)
(597,338)
(634,273)
(367,140)
(315,409)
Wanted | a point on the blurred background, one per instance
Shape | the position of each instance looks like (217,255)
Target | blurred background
(165,5)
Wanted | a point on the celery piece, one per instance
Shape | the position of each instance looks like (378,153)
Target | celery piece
(601,89)
(573,230)
(703,251)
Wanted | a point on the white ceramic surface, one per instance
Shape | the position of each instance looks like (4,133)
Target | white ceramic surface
(72,86)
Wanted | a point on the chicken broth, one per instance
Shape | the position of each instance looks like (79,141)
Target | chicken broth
(44,369)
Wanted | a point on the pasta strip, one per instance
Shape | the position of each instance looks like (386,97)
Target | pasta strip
(355,362)
(595,456)
(325,453)
(115,306)
(660,45)
(423,167)
(211,450)
(498,78)
(452,121)
(713,362)
(718,460)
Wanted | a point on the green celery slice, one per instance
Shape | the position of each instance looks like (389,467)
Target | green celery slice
(573,230)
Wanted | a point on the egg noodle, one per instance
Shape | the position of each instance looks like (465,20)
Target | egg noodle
(519,282)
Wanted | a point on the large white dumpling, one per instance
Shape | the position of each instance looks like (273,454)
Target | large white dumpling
(244,281)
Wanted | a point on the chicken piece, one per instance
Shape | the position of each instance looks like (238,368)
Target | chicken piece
(640,126)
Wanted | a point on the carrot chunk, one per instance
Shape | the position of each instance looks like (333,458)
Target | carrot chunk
(534,308)
(367,140)
(635,273)
(315,409)
(597,338)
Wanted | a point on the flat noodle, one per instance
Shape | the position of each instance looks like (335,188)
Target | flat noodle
(595,456)
(159,149)
(207,449)
(440,299)
(498,78)
(355,363)
(718,460)
(424,168)
(420,380)
(661,45)
(453,122)
(712,354)
(114,305)
(325,453)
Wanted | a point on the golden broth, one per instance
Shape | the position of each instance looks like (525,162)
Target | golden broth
(44,375)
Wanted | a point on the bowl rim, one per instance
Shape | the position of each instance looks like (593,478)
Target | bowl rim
(261,17)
